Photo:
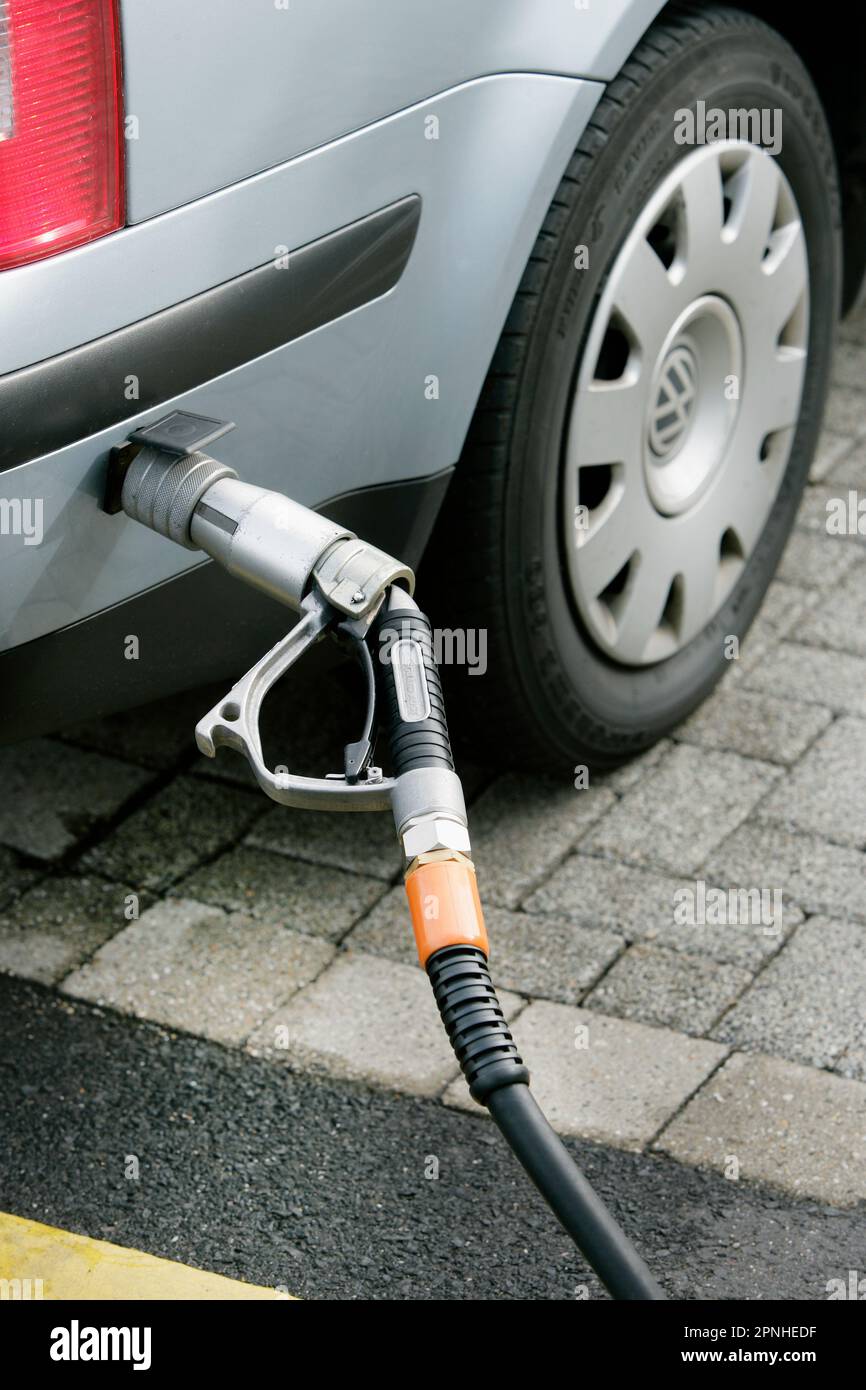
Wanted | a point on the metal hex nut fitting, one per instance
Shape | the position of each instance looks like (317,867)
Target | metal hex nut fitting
(432,833)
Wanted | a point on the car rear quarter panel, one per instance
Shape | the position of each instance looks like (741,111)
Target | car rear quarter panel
(244,147)
(222,89)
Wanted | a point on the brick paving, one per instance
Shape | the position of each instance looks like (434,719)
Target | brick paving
(138,876)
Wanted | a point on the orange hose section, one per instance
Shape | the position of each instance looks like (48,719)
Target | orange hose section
(445,907)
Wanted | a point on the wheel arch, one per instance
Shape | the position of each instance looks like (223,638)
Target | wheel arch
(834,54)
(840,86)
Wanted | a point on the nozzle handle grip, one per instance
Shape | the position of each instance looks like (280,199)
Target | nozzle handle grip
(411,705)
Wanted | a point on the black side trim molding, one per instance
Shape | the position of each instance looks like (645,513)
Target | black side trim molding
(66,398)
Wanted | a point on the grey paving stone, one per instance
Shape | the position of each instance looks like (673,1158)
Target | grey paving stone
(826,792)
(475,780)
(838,622)
(547,958)
(638,904)
(60,922)
(831,450)
(186,823)
(602,1078)
(818,876)
(544,957)
(675,817)
(365,1019)
(364,844)
(274,888)
(850,469)
(852,330)
(522,826)
(387,930)
(846,411)
(828,501)
(756,725)
(849,365)
(304,723)
(670,989)
(832,679)
(197,969)
(158,735)
(15,876)
(809,1002)
(227,766)
(783,607)
(54,795)
(810,562)
(789,1126)
(853,326)
(852,1062)
(619,779)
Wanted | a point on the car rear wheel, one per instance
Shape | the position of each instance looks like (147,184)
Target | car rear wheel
(645,432)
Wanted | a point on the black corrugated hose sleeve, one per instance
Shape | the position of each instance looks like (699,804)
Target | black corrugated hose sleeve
(474,1020)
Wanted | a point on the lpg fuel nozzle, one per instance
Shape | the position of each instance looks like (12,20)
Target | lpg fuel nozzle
(320,570)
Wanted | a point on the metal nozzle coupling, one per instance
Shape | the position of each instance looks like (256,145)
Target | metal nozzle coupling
(162,490)
(259,536)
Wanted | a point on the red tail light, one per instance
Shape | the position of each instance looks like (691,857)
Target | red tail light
(61,160)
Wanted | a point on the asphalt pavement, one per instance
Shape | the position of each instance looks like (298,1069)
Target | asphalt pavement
(326,1189)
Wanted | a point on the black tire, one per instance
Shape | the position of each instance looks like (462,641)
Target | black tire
(550,698)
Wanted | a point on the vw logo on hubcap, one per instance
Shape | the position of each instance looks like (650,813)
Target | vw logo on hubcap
(675,401)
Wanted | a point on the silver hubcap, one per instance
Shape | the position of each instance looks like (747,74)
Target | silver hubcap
(686,402)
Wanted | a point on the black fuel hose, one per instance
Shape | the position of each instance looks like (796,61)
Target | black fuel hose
(570,1196)
(497,1078)
(470,1010)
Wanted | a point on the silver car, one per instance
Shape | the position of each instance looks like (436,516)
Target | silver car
(544,292)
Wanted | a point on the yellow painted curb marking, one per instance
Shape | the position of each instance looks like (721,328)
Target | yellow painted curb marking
(39,1261)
